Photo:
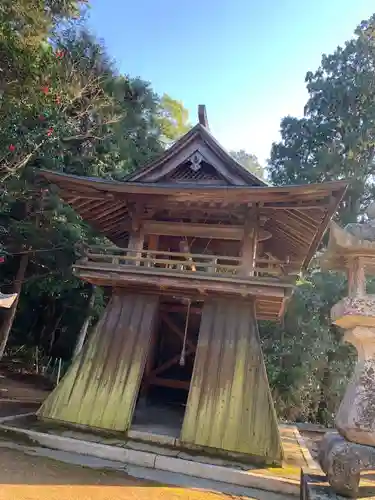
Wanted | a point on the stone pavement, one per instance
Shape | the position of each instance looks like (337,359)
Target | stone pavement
(23,477)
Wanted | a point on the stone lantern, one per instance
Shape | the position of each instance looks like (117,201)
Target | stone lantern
(344,454)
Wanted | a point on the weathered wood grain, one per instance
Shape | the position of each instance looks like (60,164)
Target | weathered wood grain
(230,405)
(101,387)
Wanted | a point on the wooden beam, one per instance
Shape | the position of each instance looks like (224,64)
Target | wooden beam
(88,195)
(169,363)
(84,203)
(153,242)
(198,230)
(174,384)
(171,324)
(180,308)
(173,280)
(170,203)
(249,243)
(321,230)
(150,363)
(115,226)
(113,212)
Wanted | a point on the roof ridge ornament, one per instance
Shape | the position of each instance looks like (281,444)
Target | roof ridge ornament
(202,116)
(195,161)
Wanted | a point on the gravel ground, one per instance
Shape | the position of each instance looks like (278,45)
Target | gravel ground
(8,408)
(37,478)
(22,387)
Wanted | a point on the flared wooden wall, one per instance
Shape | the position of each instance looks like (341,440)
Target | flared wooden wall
(230,405)
(101,387)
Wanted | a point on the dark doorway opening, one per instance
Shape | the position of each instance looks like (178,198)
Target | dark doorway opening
(162,399)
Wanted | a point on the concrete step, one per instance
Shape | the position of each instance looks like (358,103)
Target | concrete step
(155,462)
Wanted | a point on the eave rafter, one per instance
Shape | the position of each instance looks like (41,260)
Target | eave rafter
(296,216)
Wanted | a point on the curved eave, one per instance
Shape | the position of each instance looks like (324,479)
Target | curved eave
(299,192)
(297,215)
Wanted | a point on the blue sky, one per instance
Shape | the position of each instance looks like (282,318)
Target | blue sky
(245,59)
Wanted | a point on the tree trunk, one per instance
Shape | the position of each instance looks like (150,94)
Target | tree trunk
(53,333)
(86,323)
(10,313)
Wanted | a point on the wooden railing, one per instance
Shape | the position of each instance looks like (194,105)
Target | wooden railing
(181,262)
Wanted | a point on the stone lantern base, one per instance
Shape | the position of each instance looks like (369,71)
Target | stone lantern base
(351,450)
(343,461)
(355,419)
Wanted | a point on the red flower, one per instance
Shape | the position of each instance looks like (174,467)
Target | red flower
(60,54)
(45,89)
(42,118)
(50,132)
(12,148)
(2,260)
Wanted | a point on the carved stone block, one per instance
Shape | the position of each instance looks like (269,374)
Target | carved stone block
(314,486)
(354,311)
(343,463)
(355,419)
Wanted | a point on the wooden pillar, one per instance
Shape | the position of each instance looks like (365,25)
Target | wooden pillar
(136,236)
(356,278)
(153,244)
(249,243)
(150,363)
(136,241)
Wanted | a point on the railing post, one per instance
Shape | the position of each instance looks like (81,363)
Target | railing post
(185,250)
(212,269)
(249,243)
(136,255)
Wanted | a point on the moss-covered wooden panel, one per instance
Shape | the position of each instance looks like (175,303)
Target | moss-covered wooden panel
(229,405)
(101,387)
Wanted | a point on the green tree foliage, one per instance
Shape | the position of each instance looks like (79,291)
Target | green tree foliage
(336,138)
(333,141)
(249,161)
(71,111)
(173,118)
